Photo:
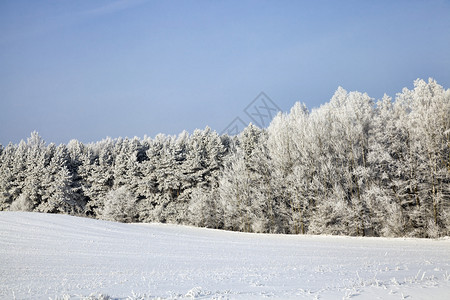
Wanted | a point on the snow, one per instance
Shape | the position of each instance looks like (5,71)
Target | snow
(46,256)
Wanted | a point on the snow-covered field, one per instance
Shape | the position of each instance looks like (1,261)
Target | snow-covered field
(46,256)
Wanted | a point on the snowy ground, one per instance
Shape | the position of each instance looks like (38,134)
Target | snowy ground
(46,256)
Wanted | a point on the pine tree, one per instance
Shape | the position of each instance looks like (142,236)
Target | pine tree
(9,180)
(36,160)
(57,194)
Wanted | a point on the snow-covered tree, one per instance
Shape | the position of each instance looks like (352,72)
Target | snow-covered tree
(427,121)
(97,170)
(204,210)
(119,205)
(21,203)
(37,158)
(348,167)
(57,194)
(11,174)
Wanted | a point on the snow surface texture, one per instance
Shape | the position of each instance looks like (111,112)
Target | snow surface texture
(46,256)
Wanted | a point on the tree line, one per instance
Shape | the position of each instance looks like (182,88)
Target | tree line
(353,166)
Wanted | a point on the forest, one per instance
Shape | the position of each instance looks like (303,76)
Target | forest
(353,166)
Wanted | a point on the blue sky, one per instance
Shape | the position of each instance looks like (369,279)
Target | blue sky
(90,69)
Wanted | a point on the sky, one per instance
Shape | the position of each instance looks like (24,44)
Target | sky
(87,70)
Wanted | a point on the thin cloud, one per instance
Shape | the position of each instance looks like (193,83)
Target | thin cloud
(114,7)
(64,20)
